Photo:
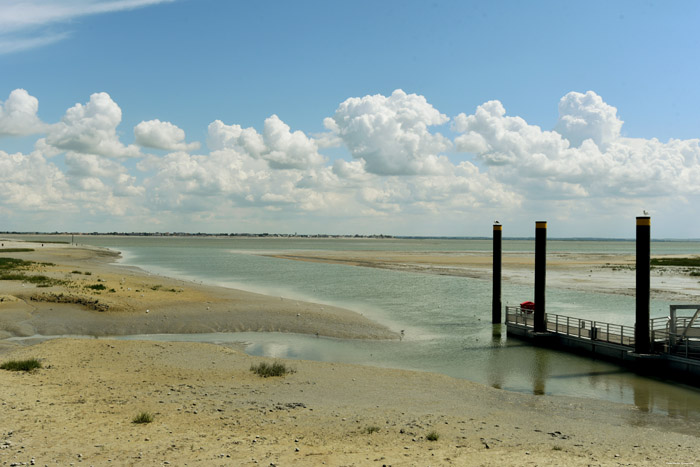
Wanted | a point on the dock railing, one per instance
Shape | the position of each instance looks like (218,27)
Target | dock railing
(568,325)
(680,340)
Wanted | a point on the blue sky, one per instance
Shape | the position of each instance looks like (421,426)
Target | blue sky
(115,128)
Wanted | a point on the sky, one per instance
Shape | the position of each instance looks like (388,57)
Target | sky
(420,118)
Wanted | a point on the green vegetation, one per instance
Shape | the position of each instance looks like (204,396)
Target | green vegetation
(266,370)
(12,276)
(7,264)
(432,436)
(371,429)
(39,280)
(16,250)
(687,262)
(96,287)
(21,365)
(143,417)
(9,268)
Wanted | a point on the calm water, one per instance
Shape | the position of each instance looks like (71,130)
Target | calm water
(446,319)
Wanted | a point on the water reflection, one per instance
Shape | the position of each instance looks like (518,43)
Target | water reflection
(642,397)
(540,368)
(495,364)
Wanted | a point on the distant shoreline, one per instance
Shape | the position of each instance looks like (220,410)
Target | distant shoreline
(327,236)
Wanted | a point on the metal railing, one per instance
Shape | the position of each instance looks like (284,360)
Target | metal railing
(577,327)
(683,341)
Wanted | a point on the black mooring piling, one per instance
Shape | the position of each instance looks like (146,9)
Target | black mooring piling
(540,324)
(496,302)
(641,327)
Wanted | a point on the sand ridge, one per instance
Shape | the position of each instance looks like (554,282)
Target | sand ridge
(135,302)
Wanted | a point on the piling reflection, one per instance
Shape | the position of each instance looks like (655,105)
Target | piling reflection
(540,369)
(495,359)
(642,397)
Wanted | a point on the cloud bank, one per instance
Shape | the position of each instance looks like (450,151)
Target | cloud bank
(399,166)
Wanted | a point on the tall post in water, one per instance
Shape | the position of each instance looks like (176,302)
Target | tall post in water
(496,302)
(641,327)
(540,274)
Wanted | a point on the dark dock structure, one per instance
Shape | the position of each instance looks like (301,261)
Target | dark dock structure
(667,347)
(674,344)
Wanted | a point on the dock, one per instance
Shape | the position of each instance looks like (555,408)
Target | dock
(675,340)
(667,347)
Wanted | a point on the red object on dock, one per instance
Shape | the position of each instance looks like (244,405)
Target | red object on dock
(529,306)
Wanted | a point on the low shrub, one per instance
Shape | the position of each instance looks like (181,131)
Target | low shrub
(143,417)
(21,365)
(266,370)
(432,436)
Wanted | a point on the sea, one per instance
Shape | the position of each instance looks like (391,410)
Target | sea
(446,320)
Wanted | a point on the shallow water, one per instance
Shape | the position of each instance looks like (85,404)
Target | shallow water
(446,320)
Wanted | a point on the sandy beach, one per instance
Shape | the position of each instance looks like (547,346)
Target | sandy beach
(210,409)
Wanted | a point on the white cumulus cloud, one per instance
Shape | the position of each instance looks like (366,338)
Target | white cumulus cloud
(18,114)
(91,129)
(391,133)
(287,149)
(31,183)
(586,116)
(162,135)
(545,164)
(278,145)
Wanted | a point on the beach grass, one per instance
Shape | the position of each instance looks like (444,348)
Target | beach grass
(38,280)
(10,270)
(21,365)
(16,250)
(371,429)
(267,370)
(7,264)
(143,417)
(432,436)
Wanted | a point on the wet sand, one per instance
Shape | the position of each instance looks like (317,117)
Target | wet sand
(210,409)
(135,302)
